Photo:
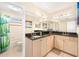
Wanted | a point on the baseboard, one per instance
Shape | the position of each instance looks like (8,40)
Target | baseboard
(66,52)
(48,52)
(59,50)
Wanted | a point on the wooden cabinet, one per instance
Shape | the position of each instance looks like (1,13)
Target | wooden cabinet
(39,47)
(46,45)
(28,48)
(59,42)
(70,45)
(67,44)
(36,48)
(43,46)
(50,43)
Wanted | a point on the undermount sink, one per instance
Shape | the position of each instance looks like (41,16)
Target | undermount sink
(35,37)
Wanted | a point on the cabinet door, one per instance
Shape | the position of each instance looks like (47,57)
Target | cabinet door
(70,45)
(76,46)
(28,48)
(43,46)
(36,48)
(49,43)
(52,42)
(59,42)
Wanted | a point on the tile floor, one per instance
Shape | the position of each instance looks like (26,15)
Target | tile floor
(57,53)
(12,52)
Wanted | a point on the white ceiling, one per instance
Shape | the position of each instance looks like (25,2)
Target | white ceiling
(53,6)
(44,9)
(49,7)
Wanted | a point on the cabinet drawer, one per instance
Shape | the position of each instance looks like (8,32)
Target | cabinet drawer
(70,45)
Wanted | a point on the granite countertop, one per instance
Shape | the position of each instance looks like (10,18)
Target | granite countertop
(65,34)
(35,36)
